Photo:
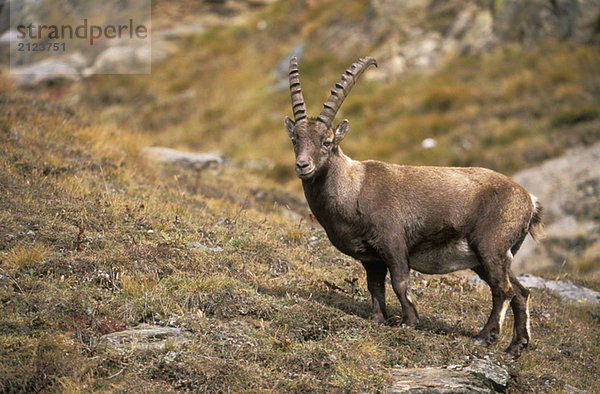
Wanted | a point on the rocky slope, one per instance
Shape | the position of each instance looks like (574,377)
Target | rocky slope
(404,35)
(569,187)
(424,34)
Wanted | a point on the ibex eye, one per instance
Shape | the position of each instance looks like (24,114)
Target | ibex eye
(326,144)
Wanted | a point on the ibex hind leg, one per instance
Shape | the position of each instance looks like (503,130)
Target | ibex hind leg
(520,307)
(495,273)
(498,233)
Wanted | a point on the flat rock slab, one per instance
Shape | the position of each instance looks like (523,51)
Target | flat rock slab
(145,337)
(174,157)
(482,375)
(198,245)
(565,288)
(430,380)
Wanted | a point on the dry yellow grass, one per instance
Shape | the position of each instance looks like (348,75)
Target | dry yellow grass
(24,257)
(277,308)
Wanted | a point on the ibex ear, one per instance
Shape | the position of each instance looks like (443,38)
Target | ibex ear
(340,131)
(289,126)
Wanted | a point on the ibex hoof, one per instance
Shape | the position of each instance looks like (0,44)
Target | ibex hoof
(484,339)
(378,319)
(410,322)
(480,341)
(515,349)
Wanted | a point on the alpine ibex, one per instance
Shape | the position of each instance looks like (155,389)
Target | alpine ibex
(393,218)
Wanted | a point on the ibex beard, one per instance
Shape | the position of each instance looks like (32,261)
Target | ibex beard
(394,218)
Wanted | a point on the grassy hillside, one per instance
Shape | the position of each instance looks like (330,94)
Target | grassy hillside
(94,240)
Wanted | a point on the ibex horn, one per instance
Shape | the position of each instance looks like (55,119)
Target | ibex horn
(342,88)
(298,105)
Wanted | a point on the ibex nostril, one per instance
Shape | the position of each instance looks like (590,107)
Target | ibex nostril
(301,165)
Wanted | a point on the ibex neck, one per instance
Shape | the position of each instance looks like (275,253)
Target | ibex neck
(336,191)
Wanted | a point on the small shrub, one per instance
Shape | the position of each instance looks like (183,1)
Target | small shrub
(519,84)
(568,91)
(443,98)
(504,136)
(138,285)
(295,235)
(22,258)
(571,117)
(37,364)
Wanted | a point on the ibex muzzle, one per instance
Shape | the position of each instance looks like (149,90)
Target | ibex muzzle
(395,218)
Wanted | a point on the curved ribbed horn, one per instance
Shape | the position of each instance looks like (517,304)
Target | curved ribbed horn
(298,106)
(342,88)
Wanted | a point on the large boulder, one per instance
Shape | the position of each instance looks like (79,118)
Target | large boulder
(569,189)
(121,59)
(423,35)
(531,21)
(420,44)
(198,161)
(52,70)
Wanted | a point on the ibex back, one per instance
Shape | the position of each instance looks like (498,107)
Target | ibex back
(393,218)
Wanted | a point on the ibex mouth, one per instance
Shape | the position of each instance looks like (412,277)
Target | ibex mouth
(306,174)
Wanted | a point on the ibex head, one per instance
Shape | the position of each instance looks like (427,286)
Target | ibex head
(314,139)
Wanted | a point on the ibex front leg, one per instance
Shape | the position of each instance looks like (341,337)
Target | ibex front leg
(397,263)
(376,273)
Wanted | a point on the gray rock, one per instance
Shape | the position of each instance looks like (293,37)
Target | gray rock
(4,281)
(179,32)
(434,380)
(20,12)
(565,288)
(481,376)
(574,293)
(8,36)
(573,390)
(495,374)
(121,59)
(473,31)
(470,32)
(280,71)
(466,28)
(198,245)
(532,281)
(4,16)
(531,21)
(67,68)
(184,159)
(145,337)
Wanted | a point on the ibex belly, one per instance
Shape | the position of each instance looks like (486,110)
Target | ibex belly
(443,258)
